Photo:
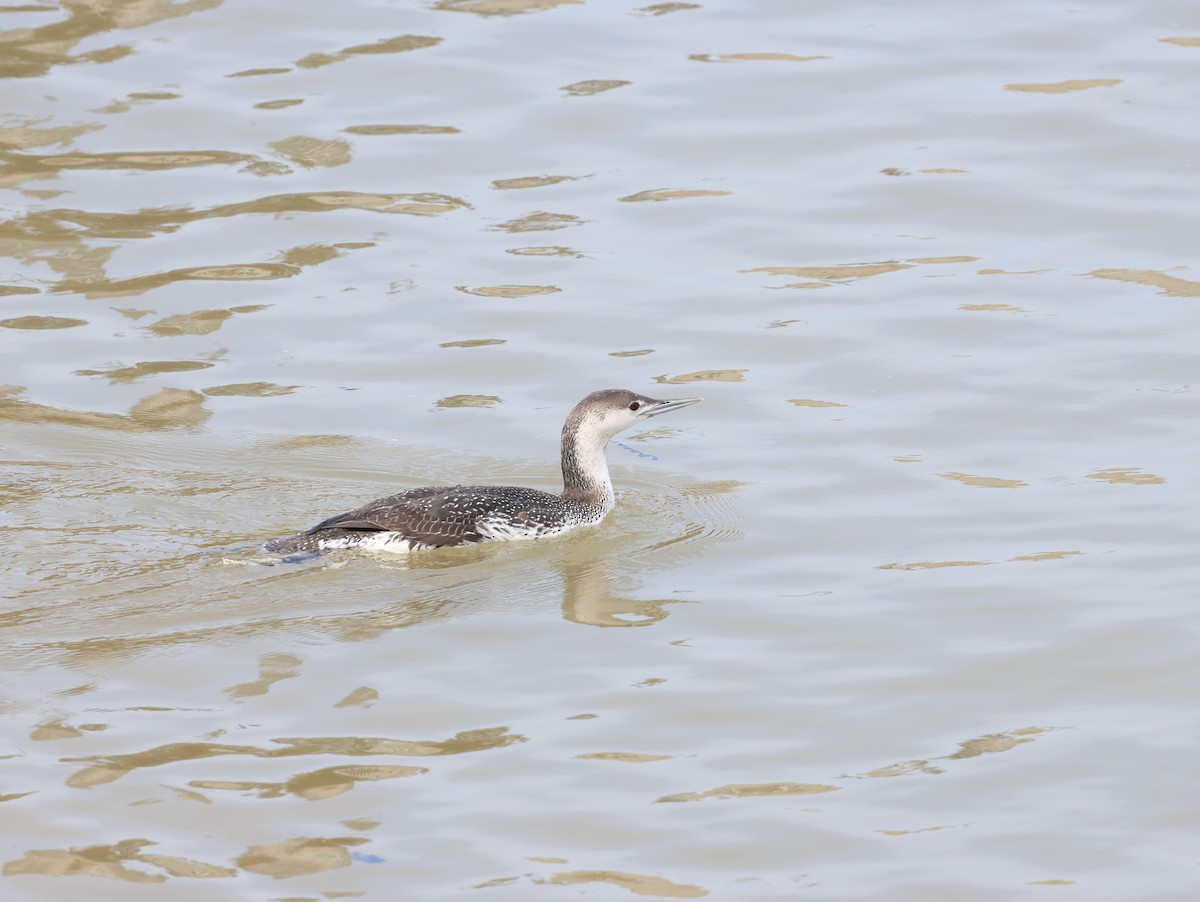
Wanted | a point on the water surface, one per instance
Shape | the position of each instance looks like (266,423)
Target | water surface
(904,611)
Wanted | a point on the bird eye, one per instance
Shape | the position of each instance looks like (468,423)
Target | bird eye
(634,406)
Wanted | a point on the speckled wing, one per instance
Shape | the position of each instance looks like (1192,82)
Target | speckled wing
(442,515)
(427,516)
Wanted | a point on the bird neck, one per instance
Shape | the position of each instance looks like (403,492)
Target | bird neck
(585,469)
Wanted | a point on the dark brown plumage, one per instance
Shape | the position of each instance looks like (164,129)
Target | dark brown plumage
(433,517)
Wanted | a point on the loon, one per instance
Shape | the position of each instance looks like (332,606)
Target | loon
(437,516)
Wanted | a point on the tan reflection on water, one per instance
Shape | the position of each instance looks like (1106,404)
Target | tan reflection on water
(299,442)
(300,856)
(960,258)
(383,130)
(264,70)
(33,165)
(168,408)
(933,565)
(472,343)
(28,135)
(496,881)
(833,273)
(1127,476)
(110,861)
(318,784)
(312,152)
(19,235)
(624,757)
(200,322)
(984,482)
(41,322)
(551,251)
(126,375)
(232,272)
(661,194)
(1064,87)
(805,286)
(358,626)
(508,291)
(1010,272)
(533,181)
(1045,556)
(400,44)
(972,748)
(271,669)
(809,402)
(992,308)
(638,884)
(588,599)
(661,9)
(655,434)
(362,696)
(593,86)
(49,45)
(1172,286)
(107,768)
(469,401)
(539,221)
(282,104)
(56,730)
(249,390)
(316,254)
(751,790)
(753,57)
(702,376)
(499,7)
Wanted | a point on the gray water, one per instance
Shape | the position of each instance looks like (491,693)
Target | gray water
(905,610)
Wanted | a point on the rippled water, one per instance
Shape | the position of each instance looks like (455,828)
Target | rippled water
(906,610)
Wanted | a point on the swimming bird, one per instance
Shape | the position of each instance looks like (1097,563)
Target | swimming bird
(465,514)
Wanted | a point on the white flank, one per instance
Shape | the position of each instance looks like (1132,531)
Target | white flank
(392,542)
